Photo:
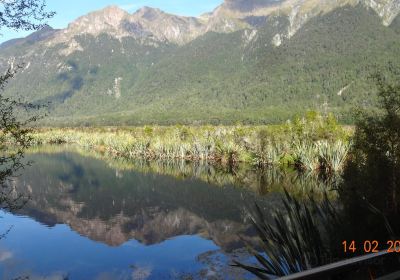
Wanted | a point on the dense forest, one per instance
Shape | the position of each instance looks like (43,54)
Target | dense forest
(217,78)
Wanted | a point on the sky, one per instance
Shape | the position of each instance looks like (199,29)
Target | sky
(67,11)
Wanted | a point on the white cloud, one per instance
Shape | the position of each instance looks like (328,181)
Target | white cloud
(5,255)
(141,273)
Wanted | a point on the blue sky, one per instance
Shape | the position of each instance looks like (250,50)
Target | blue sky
(69,10)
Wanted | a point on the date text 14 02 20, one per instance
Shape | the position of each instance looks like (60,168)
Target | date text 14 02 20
(370,246)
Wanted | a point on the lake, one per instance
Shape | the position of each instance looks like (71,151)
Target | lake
(89,217)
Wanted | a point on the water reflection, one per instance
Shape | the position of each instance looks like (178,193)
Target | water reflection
(135,220)
(45,252)
(260,181)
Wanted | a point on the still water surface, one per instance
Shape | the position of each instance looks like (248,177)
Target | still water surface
(89,218)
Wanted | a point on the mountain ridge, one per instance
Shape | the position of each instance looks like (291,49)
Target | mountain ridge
(230,16)
(268,68)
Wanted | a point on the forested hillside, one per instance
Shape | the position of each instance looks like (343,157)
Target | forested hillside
(252,75)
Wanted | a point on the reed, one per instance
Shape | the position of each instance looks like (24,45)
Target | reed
(306,156)
(308,144)
(333,155)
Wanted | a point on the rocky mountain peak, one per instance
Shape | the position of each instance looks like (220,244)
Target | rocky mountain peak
(249,5)
(112,10)
(109,16)
(148,13)
(164,26)
(388,10)
(108,20)
(298,12)
(230,16)
(42,34)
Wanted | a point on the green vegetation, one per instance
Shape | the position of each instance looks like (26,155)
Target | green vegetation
(14,132)
(217,78)
(368,196)
(15,138)
(313,139)
(372,175)
(303,236)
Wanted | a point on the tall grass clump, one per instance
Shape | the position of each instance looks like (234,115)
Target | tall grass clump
(306,156)
(266,150)
(333,155)
(318,143)
(310,143)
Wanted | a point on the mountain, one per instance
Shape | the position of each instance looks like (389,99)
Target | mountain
(253,61)
(45,33)
(151,210)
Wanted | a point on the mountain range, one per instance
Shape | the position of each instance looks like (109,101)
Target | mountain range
(253,61)
(154,215)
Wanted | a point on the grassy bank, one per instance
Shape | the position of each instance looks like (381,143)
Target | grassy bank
(309,143)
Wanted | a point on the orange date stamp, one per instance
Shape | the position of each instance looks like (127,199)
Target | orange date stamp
(370,246)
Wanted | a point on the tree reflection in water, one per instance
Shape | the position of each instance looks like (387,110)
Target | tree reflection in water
(112,201)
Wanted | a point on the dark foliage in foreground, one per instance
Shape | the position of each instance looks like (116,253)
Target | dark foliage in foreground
(306,235)
(14,139)
(14,128)
(23,14)
(303,236)
(373,172)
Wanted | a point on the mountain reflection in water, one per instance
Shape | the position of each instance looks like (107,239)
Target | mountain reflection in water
(88,220)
